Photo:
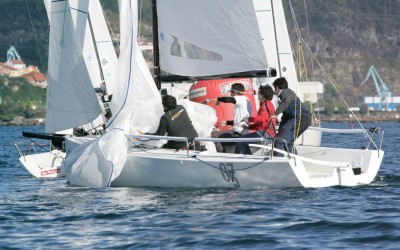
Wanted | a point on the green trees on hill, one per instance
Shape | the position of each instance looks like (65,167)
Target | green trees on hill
(25,25)
(19,98)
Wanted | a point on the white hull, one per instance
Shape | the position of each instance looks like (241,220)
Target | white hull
(165,168)
(340,166)
(48,164)
(313,167)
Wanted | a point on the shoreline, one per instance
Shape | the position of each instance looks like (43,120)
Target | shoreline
(361,118)
(323,118)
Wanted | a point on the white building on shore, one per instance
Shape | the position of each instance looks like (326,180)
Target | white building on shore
(311,91)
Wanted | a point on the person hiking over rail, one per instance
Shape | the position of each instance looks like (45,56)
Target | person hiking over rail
(293,115)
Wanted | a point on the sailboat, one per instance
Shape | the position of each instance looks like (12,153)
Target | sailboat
(81,51)
(230,46)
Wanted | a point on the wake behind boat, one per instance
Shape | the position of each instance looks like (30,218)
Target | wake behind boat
(231,46)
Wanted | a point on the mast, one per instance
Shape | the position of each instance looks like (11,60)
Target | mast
(156,61)
(276,37)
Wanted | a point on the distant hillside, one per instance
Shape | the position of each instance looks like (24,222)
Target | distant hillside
(347,36)
(19,98)
(16,29)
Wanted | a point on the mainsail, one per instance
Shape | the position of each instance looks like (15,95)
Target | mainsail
(208,37)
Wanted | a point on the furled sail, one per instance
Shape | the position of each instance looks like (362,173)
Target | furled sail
(208,37)
(71,99)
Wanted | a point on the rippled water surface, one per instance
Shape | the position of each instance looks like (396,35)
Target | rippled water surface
(47,214)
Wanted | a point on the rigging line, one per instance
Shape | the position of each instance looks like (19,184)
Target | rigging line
(45,149)
(111,29)
(264,159)
(194,156)
(295,53)
(95,129)
(142,146)
(346,142)
(303,68)
(94,41)
(300,54)
(299,65)
(298,35)
(312,61)
(276,38)
(34,33)
(296,25)
(337,91)
(140,18)
(309,37)
(174,86)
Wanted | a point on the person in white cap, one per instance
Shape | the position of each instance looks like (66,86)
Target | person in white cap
(241,112)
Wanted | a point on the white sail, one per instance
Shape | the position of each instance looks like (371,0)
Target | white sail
(208,37)
(135,102)
(71,100)
(136,99)
(47,5)
(95,40)
(275,36)
(97,162)
(98,50)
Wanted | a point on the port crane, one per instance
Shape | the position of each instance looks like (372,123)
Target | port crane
(12,54)
(381,88)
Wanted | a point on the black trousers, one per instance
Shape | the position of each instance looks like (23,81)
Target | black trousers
(290,131)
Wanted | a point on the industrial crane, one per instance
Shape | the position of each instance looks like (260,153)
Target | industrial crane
(381,88)
(12,54)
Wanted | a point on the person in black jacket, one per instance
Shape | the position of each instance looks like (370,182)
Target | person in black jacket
(175,122)
(295,117)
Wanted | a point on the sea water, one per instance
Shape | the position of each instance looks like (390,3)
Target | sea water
(47,214)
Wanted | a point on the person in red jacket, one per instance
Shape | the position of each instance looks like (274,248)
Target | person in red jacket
(263,125)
